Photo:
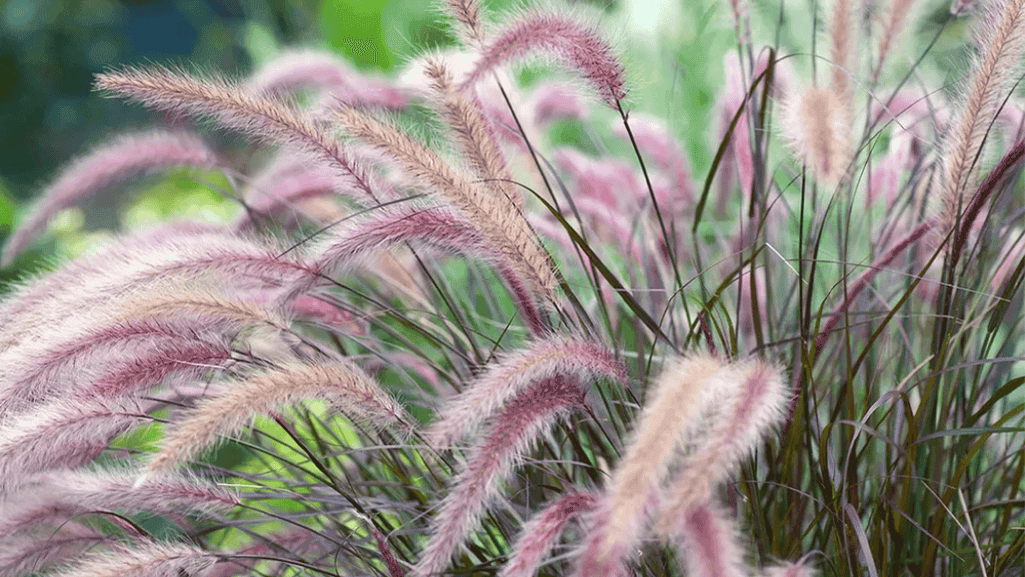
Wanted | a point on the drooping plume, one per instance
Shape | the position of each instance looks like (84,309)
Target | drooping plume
(497,218)
(539,535)
(351,391)
(753,404)
(148,559)
(235,107)
(511,433)
(294,70)
(107,167)
(515,372)
(556,36)
(709,543)
(57,496)
(60,434)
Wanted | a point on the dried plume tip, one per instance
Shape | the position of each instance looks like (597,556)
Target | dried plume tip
(554,35)
(526,418)
(238,108)
(352,391)
(107,167)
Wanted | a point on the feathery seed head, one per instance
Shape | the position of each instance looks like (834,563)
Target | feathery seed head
(554,35)
(814,125)
(106,167)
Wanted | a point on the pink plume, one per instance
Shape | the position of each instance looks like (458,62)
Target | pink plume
(298,69)
(511,433)
(109,166)
(539,535)
(538,33)
(516,372)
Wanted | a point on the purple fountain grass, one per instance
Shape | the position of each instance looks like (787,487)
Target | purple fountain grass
(874,269)
(654,140)
(27,555)
(516,372)
(554,101)
(970,212)
(236,108)
(346,244)
(1000,39)
(798,569)
(174,315)
(525,419)
(755,404)
(284,187)
(842,41)
(346,386)
(164,365)
(1008,165)
(709,543)
(351,242)
(62,433)
(108,279)
(467,13)
(670,417)
(563,38)
(613,183)
(113,369)
(498,219)
(297,538)
(394,567)
(112,165)
(814,125)
(56,496)
(539,535)
(328,314)
(28,294)
(738,161)
(474,133)
(887,177)
(294,70)
(145,559)
(141,323)
(211,306)
(893,27)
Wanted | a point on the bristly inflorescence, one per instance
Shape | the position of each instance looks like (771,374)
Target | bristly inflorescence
(456,325)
